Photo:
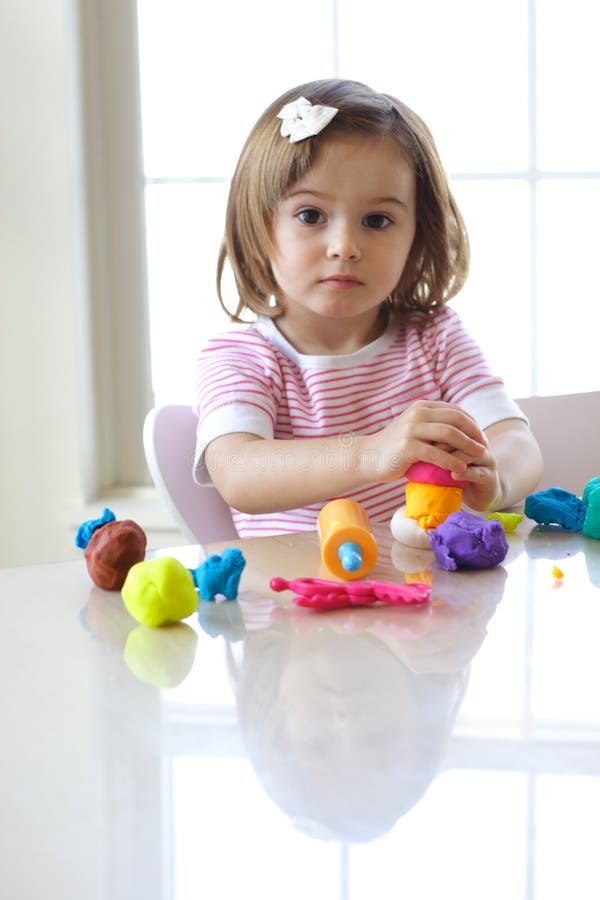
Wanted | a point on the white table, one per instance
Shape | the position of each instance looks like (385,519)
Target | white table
(452,751)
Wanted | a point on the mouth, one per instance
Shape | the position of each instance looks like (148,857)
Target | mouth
(341,282)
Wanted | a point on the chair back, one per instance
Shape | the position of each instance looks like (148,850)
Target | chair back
(567,429)
(169,444)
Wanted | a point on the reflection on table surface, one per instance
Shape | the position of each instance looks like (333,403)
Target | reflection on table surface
(260,749)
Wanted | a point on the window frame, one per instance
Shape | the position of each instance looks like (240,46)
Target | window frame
(115,353)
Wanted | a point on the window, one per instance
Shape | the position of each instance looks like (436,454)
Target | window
(515,130)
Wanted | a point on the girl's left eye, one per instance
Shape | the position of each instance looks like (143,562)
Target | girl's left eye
(377,221)
(311,216)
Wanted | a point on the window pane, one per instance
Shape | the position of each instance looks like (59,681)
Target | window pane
(209,69)
(466,74)
(565,697)
(493,814)
(567,824)
(184,229)
(568,79)
(569,293)
(492,706)
(267,845)
(462,66)
(495,303)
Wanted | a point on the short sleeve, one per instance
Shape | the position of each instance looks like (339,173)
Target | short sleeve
(463,372)
(491,404)
(238,384)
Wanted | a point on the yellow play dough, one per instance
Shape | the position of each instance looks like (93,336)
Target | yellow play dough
(431,504)
(158,591)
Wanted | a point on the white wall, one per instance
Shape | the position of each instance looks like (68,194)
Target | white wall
(44,371)
(39,400)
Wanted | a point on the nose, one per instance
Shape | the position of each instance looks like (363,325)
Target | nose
(343,242)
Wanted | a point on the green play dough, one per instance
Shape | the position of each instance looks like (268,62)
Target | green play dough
(591,497)
(592,484)
(158,591)
(509,521)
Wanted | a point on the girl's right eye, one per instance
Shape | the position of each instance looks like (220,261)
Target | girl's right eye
(311,216)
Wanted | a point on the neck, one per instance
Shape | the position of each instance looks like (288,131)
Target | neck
(331,337)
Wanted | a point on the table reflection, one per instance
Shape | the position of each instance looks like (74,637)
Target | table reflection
(346,716)
(354,739)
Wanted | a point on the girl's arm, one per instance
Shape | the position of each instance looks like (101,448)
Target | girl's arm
(258,476)
(509,470)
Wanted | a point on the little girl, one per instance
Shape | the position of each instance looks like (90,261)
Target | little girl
(346,242)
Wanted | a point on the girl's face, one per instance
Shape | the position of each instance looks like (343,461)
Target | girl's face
(341,239)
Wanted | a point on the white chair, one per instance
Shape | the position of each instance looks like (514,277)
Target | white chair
(169,442)
(567,429)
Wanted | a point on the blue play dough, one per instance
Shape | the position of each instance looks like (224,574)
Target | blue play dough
(555,506)
(86,529)
(220,574)
(350,556)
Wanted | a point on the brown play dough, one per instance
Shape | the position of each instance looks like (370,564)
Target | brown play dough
(112,550)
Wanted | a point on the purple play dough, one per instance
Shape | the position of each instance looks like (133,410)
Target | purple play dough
(466,541)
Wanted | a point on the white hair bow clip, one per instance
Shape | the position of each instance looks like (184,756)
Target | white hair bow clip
(301,119)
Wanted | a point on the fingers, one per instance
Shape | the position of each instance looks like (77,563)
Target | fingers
(484,490)
(447,426)
(473,473)
(478,466)
(430,431)
(436,454)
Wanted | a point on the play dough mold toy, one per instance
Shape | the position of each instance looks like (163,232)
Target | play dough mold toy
(348,548)
(322,595)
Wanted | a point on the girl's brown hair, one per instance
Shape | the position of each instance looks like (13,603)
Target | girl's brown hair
(269,165)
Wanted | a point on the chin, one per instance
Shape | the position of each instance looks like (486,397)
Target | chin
(345,309)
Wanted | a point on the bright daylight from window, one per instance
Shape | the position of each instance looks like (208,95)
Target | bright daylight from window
(510,100)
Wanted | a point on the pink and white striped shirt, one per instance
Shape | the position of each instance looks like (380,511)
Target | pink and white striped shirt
(252,380)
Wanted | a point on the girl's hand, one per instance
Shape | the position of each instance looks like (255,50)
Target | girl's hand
(428,431)
(509,469)
(484,491)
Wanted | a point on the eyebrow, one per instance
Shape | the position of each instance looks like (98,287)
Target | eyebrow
(374,201)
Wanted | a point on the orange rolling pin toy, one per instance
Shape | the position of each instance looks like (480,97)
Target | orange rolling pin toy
(348,547)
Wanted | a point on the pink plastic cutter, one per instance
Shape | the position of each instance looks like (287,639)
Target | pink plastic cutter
(316,593)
